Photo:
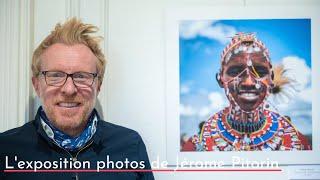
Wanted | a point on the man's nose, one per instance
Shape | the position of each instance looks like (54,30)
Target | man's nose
(248,79)
(69,88)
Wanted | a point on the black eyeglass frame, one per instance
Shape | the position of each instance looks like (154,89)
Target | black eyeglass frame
(69,75)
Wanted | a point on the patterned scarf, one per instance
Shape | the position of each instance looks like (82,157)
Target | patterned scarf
(65,141)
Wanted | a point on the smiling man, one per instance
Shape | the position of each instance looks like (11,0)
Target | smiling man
(246,124)
(67,85)
(68,69)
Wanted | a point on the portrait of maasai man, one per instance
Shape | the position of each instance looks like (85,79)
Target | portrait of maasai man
(249,119)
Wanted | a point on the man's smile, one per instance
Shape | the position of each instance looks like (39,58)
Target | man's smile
(248,95)
(68,104)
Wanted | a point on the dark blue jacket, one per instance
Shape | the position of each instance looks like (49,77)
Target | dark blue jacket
(30,144)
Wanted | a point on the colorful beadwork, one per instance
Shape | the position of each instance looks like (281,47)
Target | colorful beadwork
(276,134)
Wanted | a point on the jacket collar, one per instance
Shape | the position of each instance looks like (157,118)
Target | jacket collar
(96,137)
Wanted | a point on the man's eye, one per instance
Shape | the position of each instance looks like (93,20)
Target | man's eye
(234,70)
(261,70)
(55,74)
(78,76)
(81,75)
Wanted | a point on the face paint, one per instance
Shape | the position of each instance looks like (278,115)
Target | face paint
(246,72)
(246,80)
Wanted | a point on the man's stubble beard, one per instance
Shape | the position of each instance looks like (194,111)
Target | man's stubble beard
(75,125)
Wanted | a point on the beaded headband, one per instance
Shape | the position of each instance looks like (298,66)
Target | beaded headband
(244,42)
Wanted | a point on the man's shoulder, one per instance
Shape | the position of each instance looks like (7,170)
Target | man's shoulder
(17,139)
(276,115)
(23,131)
(215,117)
(271,112)
(108,129)
(118,139)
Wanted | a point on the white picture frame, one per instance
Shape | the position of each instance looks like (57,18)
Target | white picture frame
(173,17)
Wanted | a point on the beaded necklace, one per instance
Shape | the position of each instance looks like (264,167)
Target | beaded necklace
(275,134)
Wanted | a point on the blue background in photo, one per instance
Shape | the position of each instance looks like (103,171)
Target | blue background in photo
(200,47)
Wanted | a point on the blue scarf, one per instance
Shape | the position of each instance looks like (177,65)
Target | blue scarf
(65,141)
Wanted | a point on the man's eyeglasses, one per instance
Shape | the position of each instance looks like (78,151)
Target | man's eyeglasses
(59,78)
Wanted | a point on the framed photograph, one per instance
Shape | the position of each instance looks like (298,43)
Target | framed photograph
(199,44)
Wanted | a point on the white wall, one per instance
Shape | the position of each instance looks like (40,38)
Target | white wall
(133,94)
(15,53)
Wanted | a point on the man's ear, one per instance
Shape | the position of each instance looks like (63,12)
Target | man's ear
(36,84)
(218,78)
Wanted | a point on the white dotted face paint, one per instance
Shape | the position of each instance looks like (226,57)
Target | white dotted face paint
(247,44)
(227,91)
(228,57)
(236,83)
(249,62)
(250,50)
(236,51)
(257,49)
(258,85)
(244,48)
